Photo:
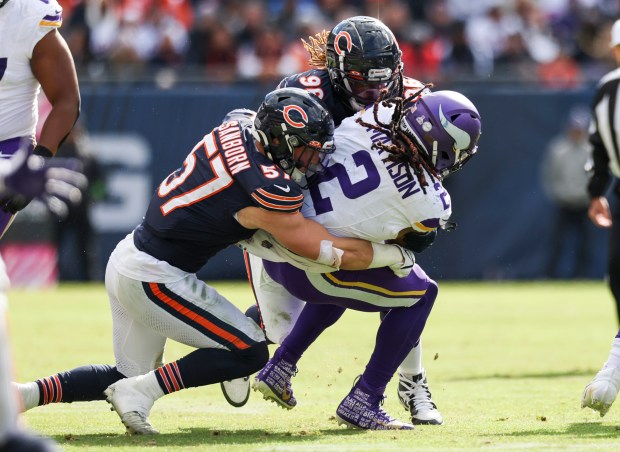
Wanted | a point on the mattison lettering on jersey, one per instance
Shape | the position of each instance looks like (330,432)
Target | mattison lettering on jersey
(233,147)
(402,179)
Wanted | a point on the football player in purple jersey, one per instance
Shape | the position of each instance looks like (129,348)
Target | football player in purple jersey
(383,180)
(56,186)
(33,55)
(239,178)
(354,62)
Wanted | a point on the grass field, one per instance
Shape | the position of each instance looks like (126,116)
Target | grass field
(506,363)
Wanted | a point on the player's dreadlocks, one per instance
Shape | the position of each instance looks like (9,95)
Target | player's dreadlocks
(317,50)
(401,149)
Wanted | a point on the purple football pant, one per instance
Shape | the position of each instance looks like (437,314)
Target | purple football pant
(363,290)
(409,300)
(7,149)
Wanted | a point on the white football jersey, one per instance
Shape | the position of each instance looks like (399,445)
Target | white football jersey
(22,24)
(361,195)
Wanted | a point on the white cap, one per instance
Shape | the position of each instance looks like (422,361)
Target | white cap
(615,34)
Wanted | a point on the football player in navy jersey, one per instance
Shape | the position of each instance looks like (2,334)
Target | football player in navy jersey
(237,179)
(354,62)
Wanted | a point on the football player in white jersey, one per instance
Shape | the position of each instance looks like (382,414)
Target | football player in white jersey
(56,186)
(33,55)
(382,183)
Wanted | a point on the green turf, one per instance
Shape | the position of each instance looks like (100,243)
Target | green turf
(506,362)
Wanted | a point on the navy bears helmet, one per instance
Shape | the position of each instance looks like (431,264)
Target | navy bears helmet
(363,58)
(290,118)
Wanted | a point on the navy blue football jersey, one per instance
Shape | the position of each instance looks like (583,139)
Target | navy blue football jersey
(191,215)
(317,82)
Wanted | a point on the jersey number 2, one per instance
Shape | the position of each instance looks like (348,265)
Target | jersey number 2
(349,189)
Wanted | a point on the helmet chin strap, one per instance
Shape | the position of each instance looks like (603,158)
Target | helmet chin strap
(354,105)
(352,102)
(434,156)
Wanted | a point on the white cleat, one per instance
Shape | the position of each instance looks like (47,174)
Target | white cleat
(415,397)
(237,391)
(132,405)
(601,392)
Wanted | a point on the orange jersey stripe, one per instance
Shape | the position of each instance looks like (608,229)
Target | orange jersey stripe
(276,206)
(279,197)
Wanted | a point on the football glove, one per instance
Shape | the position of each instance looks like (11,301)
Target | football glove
(13,203)
(417,242)
(57,183)
(405,267)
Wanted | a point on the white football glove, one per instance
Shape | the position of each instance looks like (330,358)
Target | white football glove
(405,267)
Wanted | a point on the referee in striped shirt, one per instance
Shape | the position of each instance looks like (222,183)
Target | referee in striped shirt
(605,140)
(602,391)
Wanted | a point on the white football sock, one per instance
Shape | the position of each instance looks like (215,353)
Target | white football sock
(29,393)
(149,384)
(613,360)
(412,364)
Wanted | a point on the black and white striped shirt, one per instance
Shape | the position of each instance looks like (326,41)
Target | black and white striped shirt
(605,133)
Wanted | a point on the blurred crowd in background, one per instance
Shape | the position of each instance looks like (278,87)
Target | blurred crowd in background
(555,43)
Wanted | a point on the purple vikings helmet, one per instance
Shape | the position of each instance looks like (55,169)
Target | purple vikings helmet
(446,126)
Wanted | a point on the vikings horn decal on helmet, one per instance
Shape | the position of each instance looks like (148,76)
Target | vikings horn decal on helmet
(291,118)
(363,58)
(446,126)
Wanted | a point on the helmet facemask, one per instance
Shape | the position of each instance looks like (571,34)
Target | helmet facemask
(362,89)
(298,157)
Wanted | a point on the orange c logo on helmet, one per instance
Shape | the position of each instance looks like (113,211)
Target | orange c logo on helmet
(347,37)
(287,116)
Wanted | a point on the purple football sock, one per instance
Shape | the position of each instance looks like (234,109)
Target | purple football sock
(313,320)
(398,333)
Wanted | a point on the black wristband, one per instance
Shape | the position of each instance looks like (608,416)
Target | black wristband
(42,151)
